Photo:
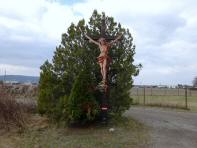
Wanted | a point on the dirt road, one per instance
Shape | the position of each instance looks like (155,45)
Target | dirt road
(168,128)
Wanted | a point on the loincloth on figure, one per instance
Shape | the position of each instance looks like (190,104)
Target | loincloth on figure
(102,58)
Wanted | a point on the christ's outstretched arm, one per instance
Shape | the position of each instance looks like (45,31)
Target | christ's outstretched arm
(115,39)
(91,40)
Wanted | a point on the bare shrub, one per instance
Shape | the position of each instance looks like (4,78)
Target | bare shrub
(21,90)
(11,112)
(28,105)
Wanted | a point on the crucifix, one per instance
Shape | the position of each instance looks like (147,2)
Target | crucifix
(104,42)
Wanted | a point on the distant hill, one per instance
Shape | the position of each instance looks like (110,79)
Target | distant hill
(20,78)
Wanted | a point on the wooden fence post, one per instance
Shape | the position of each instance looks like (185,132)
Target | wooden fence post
(144,95)
(186,106)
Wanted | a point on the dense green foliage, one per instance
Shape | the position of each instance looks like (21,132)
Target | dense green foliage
(49,92)
(82,105)
(75,54)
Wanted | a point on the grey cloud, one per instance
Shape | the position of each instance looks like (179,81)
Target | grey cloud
(25,54)
(158,29)
(165,46)
(31,52)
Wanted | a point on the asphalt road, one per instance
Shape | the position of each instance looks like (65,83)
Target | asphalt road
(168,128)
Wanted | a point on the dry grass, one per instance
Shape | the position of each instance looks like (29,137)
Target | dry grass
(21,91)
(165,97)
(11,112)
(42,134)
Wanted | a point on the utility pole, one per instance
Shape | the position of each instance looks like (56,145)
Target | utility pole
(4,78)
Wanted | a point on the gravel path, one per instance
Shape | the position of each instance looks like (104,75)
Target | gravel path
(168,128)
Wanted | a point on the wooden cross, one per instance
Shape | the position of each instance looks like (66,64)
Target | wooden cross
(104,61)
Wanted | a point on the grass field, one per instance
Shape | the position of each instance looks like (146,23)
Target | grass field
(165,97)
(42,134)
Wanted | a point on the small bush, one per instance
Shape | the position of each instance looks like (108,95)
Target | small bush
(82,105)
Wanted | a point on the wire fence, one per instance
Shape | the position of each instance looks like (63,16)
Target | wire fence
(167,97)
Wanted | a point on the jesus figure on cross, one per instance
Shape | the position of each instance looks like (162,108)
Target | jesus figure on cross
(103,58)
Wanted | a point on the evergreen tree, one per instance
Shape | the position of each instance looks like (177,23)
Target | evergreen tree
(75,53)
(82,105)
(49,92)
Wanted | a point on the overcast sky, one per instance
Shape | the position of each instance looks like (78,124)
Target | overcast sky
(164,31)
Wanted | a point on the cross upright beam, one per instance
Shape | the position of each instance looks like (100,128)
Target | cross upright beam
(103,28)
